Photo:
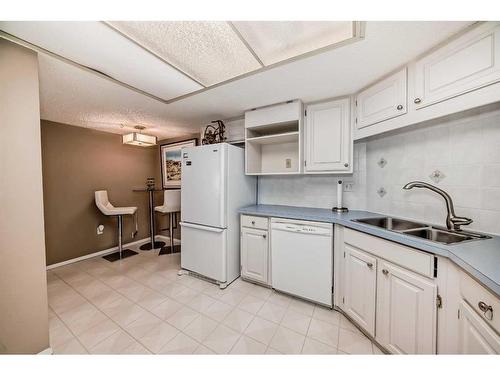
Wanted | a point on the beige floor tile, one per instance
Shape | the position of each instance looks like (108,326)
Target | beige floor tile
(251,304)
(183,317)
(150,299)
(376,349)
(166,309)
(114,344)
(105,299)
(325,332)
(279,299)
(82,319)
(260,292)
(247,345)
(201,302)
(287,341)
(200,328)
(354,343)
(218,311)
(115,306)
(59,335)
(296,321)
(62,302)
(134,291)
(232,297)
(303,307)
(272,312)
(155,339)
(128,315)
(98,333)
(140,327)
(72,346)
(261,330)
(222,339)
(315,347)
(238,320)
(180,344)
(327,315)
(271,351)
(346,324)
(202,349)
(185,296)
(92,288)
(135,348)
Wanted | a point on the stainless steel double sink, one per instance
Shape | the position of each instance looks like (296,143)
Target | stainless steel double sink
(424,231)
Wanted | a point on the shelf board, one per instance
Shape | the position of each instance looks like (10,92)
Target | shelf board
(275,138)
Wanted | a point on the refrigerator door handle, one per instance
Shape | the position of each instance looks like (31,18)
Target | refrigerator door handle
(201,227)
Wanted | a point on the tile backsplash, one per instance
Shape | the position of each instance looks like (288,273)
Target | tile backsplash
(461,156)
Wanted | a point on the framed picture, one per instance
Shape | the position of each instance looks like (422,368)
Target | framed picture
(171,162)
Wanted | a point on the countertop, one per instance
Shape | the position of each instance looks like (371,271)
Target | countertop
(481,258)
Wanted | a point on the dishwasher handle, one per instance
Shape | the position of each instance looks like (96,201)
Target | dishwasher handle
(300,228)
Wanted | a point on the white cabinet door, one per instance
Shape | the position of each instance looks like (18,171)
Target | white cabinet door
(467,63)
(475,336)
(359,285)
(382,101)
(328,137)
(254,254)
(406,311)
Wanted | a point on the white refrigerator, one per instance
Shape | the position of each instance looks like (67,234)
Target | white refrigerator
(214,186)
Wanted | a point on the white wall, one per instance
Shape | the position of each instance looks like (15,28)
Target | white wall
(465,149)
(23,284)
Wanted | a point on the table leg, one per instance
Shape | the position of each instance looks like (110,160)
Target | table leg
(152,243)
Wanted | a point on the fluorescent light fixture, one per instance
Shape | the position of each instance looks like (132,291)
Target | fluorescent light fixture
(209,51)
(139,139)
(276,41)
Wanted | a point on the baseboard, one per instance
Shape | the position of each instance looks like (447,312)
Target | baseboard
(47,351)
(111,250)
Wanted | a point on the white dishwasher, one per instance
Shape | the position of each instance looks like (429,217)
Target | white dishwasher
(302,259)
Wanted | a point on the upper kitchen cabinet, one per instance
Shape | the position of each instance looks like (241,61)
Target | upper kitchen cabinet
(456,76)
(273,139)
(465,64)
(382,101)
(328,137)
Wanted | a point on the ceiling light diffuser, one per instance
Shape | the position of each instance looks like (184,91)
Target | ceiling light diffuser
(208,51)
(139,139)
(275,41)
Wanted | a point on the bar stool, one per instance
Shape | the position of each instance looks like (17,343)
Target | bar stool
(102,202)
(171,205)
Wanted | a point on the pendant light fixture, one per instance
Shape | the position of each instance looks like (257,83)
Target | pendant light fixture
(139,139)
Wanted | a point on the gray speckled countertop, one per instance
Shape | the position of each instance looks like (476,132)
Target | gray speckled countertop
(480,258)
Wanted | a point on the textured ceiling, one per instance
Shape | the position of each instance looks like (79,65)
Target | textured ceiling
(75,96)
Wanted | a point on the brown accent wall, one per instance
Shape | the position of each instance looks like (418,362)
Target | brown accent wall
(78,161)
(23,283)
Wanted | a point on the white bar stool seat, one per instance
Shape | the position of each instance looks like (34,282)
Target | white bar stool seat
(104,205)
(171,205)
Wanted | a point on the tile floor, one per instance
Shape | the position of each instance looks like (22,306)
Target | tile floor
(140,306)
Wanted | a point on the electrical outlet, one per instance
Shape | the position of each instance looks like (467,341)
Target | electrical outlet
(348,187)
(288,163)
(100,229)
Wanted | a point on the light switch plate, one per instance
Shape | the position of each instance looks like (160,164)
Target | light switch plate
(348,187)
(288,163)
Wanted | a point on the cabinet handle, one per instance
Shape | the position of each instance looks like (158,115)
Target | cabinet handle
(253,222)
(486,309)
(385,272)
(417,101)
(264,235)
(370,265)
(399,107)
(346,165)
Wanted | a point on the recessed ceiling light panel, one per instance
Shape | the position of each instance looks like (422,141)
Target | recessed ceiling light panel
(209,51)
(275,41)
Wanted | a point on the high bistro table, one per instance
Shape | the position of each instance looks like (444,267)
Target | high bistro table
(152,244)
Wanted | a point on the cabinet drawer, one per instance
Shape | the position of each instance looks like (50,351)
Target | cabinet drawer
(417,261)
(276,114)
(474,294)
(254,222)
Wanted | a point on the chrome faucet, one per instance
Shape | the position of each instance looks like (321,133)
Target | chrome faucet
(453,222)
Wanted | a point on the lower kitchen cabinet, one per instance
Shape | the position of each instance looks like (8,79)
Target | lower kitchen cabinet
(475,336)
(359,278)
(394,304)
(406,311)
(254,252)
